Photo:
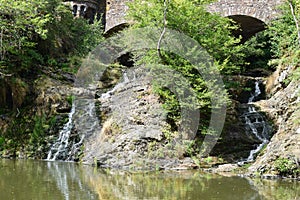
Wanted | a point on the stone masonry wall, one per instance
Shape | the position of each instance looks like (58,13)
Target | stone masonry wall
(115,13)
(115,10)
(264,10)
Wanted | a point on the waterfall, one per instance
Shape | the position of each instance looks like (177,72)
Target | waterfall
(68,147)
(257,92)
(85,121)
(255,124)
(59,148)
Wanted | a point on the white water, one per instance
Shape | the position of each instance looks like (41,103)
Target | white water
(256,93)
(254,120)
(86,123)
(61,144)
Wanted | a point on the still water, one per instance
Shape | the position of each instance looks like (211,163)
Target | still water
(28,180)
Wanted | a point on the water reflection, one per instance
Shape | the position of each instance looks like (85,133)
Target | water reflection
(280,189)
(69,181)
(170,185)
(25,179)
(60,180)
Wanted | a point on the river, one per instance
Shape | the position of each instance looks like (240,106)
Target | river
(42,180)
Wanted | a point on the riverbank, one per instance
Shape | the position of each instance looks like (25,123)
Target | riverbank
(147,147)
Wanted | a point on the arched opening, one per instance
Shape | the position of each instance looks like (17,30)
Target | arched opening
(126,60)
(101,13)
(115,29)
(82,11)
(257,43)
(90,14)
(74,11)
(249,26)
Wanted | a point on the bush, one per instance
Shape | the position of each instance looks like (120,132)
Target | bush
(286,167)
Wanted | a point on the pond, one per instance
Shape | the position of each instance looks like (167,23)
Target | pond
(27,179)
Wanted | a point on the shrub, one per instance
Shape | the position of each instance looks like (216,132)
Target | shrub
(286,167)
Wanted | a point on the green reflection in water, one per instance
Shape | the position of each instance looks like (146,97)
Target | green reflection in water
(58,180)
(187,185)
(171,185)
(26,179)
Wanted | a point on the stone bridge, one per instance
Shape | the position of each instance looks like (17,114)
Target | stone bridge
(252,15)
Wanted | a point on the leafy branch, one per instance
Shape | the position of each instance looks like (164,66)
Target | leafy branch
(290,2)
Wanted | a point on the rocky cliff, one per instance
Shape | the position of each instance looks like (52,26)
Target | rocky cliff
(282,155)
(134,130)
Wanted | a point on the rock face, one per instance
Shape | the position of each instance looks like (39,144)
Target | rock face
(134,128)
(237,139)
(132,121)
(35,115)
(282,155)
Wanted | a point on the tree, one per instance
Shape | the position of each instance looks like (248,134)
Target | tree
(294,6)
(211,31)
(20,23)
(33,32)
(284,34)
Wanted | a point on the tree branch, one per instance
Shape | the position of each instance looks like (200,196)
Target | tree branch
(164,29)
(295,19)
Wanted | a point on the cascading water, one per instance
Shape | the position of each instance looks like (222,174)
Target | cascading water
(86,124)
(67,148)
(256,125)
(59,148)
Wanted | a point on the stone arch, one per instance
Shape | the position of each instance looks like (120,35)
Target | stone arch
(124,59)
(74,10)
(252,15)
(115,13)
(249,26)
(264,11)
(116,28)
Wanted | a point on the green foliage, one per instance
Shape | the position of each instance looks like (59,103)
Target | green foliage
(208,159)
(2,141)
(17,134)
(42,32)
(39,129)
(20,22)
(258,51)
(283,37)
(211,31)
(296,72)
(69,36)
(70,99)
(286,167)
(26,133)
(189,147)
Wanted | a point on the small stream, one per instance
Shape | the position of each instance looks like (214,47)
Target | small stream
(84,119)
(59,150)
(36,180)
(256,125)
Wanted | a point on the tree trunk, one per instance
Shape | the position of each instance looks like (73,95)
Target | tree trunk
(164,29)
